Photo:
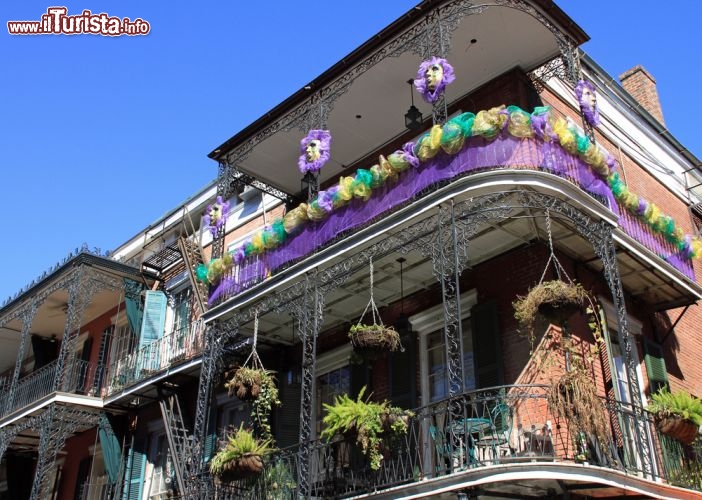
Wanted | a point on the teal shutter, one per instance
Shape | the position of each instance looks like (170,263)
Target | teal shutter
(154,320)
(403,370)
(485,327)
(360,376)
(111,452)
(655,366)
(136,467)
(152,329)
(210,447)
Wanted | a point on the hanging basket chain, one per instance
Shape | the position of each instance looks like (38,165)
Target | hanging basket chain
(253,356)
(552,256)
(371,304)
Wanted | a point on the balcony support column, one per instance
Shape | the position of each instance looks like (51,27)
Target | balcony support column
(27,316)
(215,339)
(309,313)
(84,284)
(56,424)
(606,250)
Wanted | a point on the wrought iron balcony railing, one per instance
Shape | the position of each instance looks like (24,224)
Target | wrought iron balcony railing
(501,154)
(498,426)
(170,350)
(79,378)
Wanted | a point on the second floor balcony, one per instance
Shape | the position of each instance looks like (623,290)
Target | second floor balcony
(501,441)
(408,183)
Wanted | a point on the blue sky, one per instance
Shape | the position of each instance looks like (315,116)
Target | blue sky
(101,136)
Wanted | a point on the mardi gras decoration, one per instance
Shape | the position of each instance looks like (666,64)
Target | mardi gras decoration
(216,215)
(433,76)
(585,92)
(314,151)
(542,124)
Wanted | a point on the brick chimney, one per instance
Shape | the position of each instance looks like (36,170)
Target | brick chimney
(642,87)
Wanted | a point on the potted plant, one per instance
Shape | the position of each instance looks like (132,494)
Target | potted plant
(242,456)
(246,382)
(367,338)
(554,300)
(678,414)
(365,422)
(375,337)
(255,384)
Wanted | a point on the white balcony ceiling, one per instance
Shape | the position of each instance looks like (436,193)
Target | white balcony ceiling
(371,112)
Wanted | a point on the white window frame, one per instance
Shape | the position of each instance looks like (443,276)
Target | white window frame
(429,321)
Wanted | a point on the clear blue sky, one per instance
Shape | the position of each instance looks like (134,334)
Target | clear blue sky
(101,136)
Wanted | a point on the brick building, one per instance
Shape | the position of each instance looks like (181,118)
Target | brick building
(507,178)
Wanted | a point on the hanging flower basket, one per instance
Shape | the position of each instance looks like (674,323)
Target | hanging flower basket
(241,456)
(553,300)
(246,383)
(678,428)
(365,338)
(241,468)
(371,338)
(678,414)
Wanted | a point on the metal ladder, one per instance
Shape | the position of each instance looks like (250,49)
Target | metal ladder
(179,439)
(192,257)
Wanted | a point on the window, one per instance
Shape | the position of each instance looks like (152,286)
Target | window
(436,361)
(429,325)
(161,474)
(333,379)
(181,313)
(620,376)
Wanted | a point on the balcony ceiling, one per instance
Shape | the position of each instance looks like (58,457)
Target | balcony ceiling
(50,319)
(371,112)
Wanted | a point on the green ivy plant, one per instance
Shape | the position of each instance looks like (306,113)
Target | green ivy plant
(258,386)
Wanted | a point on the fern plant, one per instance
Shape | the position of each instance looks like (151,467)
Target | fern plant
(676,404)
(366,421)
(241,444)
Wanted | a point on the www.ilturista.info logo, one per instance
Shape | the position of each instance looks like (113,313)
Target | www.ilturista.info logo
(56,21)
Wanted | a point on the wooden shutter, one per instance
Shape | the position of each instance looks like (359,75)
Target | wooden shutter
(152,329)
(655,366)
(360,376)
(210,446)
(111,450)
(136,467)
(154,320)
(403,374)
(288,433)
(132,300)
(485,328)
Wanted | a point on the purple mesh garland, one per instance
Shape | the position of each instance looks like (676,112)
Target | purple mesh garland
(638,230)
(477,154)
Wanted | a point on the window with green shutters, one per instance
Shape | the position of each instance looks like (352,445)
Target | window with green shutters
(655,366)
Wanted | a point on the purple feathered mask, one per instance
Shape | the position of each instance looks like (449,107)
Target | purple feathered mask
(420,83)
(216,215)
(314,159)
(585,92)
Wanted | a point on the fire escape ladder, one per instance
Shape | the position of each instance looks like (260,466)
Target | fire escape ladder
(179,440)
(192,256)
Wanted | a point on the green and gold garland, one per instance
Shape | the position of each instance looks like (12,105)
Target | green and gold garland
(450,138)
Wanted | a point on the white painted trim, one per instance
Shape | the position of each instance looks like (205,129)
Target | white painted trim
(333,360)
(428,321)
(635,326)
(431,319)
